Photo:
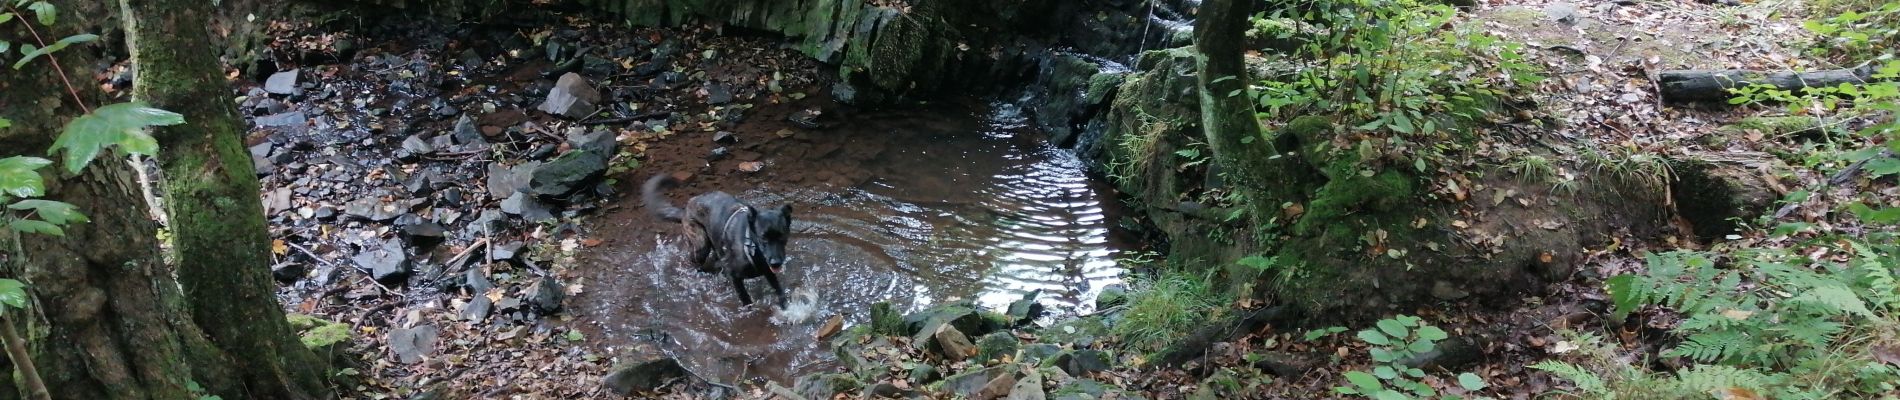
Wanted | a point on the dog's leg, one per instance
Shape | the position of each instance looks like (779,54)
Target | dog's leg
(745,299)
(772,278)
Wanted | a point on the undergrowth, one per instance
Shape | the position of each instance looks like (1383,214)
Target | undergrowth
(1166,307)
(1808,309)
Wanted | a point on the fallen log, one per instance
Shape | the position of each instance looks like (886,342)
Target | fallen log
(1682,86)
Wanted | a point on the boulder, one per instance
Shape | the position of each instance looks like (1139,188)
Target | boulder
(547,295)
(1038,351)
(825,386)
(951,344)
(968,383)
(644,376)
(965,316)
(411,345)
(571,97)
(923,373)
(1028,388)
(1026,311)
(996,388)
(1079,362)
(565,174)
(1112,295)
(996,345)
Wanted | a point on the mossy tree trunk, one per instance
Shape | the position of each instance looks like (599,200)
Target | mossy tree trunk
(211,199)
(105,316)
(1227,113)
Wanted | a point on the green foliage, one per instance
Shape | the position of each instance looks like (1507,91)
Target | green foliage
(1392,66)
(1171,305)
(1855,30)
(122,125)
(12,294)
(1767,320)
(20,177)
(1393,341)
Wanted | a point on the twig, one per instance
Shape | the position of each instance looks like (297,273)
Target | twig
(53,59)
(638,117)
(23,361)
(479,243)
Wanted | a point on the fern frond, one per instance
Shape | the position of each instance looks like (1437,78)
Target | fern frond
(1835,298)
(1585,380)
(1712,347)
(1710,378)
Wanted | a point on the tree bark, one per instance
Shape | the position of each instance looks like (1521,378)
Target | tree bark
(105,308)
(1713,86)
(211,199)
(1227,113)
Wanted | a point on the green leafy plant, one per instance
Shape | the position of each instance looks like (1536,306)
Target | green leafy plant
(121,127)
(1394,341)
(1394,69)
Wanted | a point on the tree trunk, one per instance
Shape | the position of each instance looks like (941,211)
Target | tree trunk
(211,200)
(104,307)
(1713,86)
(1227,113)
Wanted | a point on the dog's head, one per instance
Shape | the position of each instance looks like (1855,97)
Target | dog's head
(774,228)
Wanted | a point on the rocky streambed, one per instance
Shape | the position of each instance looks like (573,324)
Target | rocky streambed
(451,213)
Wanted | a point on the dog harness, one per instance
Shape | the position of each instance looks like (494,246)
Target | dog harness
(750,247)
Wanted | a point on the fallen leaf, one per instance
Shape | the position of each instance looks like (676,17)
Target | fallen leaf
(831,327)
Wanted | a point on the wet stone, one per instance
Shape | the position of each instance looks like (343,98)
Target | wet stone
(644,376)
(387,263)
(1026,311)
(527,207)
(477,309)
(547,296)
(995,346)
(564,174)
(952,344)
(718,93)
(1112,295)
(411,345)
(476,282)
(466,133)
(282,82)
(1079,362)
(571,97)
(290,272)
(725,137)
(452,197)
(506,251)
(280,119)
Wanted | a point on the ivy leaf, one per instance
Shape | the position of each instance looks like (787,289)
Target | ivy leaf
(6,17)
(4,46)
(57,213)
(4,123)
(45,11)
(20,177)
(1471,382)
(13,293)
(36,226)
(1385,372)
(1885,215)
(120,124)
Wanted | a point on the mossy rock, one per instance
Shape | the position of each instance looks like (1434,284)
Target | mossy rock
(923,373)
(996,345)
(1080,362)
(1088,328)
(824,386)
(966,384)
(965,316)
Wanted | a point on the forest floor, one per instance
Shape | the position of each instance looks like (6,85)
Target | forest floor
(396,148)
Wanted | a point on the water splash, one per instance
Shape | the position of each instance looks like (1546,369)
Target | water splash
(802,306)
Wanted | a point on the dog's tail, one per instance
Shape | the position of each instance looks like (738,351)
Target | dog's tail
(650,194)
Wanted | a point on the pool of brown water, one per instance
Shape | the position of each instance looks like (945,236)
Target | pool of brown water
(913,207)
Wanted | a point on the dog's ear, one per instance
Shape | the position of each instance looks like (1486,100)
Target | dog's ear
(785,210)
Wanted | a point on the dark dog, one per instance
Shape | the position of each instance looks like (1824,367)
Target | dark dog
(728,235)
